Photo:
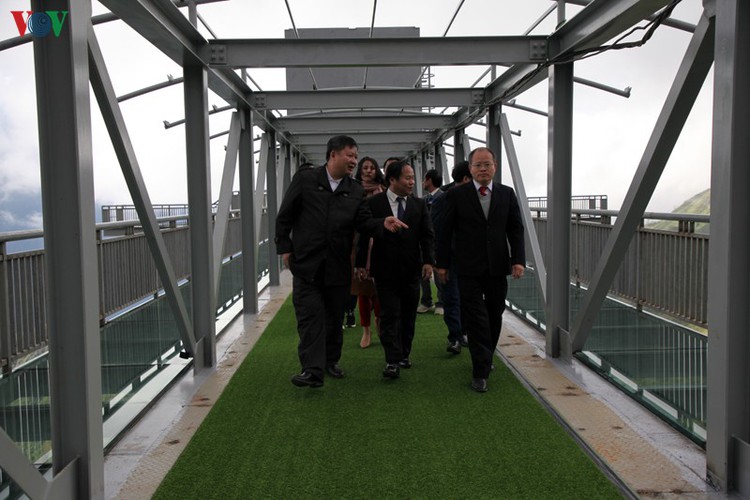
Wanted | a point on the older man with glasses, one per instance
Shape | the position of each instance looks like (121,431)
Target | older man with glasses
(486,221)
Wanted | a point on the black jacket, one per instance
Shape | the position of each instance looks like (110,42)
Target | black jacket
(316,224)
(482,245)
(399,256)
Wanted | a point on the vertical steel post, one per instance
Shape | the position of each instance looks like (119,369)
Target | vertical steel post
(495,138)
(67,181)
(287,148)
(273,209)
(6,354)
(247,210)
(559,168)
(459,152)
(199,208)
(728,422)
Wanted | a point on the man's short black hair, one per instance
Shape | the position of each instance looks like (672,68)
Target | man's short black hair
(390,159)
(461,170)
(305,165)
(394,170)
(339,142)
(435,177)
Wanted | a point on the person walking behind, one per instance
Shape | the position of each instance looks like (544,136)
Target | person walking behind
(371,177)
(450,295)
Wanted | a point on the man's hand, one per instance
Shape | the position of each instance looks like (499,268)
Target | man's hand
(442,275)
(426,271)
(285,258)
(394,224)
(517,271)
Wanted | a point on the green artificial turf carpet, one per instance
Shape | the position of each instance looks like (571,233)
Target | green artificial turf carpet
(425,435)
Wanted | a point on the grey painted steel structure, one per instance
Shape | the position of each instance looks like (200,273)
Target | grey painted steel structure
(559,178)
(199,201)
(728,285)
(406,51)
(66,161)
(688,82)
(74,315)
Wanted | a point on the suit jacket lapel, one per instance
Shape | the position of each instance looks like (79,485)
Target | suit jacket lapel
(323,179)
(473,196)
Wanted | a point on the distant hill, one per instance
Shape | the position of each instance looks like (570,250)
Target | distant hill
(698,204)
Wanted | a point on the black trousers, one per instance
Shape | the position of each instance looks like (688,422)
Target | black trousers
(482,306)
(398,313)
(320,313)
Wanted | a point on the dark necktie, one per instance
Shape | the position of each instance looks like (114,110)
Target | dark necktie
(400,211)
(483,190)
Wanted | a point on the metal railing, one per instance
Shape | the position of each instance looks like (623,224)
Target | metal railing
(127,276)
(662,270)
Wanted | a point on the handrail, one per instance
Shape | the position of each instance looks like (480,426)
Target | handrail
(101,226)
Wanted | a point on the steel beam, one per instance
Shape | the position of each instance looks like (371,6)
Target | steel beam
(353,124)
(248,211)
(599,22)
(199,208)
(398,51)
(494,137)
(221,220)
(286,148)
(101,83)
(559,179)
(72,298)
(685,88)
(532,239)
(382,137)
(364,148)
(273,207)
(728,394)
(260,186)
(369,98)
(161,23)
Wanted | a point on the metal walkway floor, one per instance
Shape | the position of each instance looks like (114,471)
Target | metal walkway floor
(630,443)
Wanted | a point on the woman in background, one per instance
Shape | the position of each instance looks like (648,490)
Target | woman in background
(371,177)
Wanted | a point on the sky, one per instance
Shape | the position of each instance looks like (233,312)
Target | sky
(609,132)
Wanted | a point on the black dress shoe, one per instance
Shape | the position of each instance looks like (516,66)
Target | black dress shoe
(464,341)
(454,347)
(350,322)
(391,371)
(405,363)
(335,371)
(306,379)
(479,384)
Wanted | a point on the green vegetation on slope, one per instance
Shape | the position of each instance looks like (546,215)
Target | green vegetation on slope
(698,204)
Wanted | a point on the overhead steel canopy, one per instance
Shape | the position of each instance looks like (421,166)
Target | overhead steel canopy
(407,51)
(166,27)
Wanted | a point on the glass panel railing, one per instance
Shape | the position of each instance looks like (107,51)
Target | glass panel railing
(654,360)
(140,358)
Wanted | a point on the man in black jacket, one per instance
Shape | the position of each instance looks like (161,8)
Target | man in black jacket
(489,244)
(397,262)
(314,233)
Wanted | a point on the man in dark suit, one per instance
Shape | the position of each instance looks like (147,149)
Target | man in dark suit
(314,233)
(431,186)
(397,262)
(486,222)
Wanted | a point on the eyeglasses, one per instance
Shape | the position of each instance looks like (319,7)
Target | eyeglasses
(488,165)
